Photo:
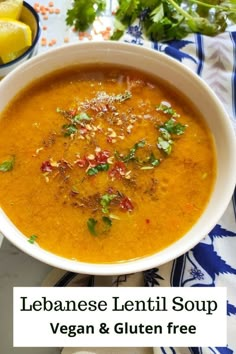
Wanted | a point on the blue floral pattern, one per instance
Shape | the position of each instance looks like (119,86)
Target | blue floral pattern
(207,264)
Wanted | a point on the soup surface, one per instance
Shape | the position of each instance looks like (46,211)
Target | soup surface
(104,164)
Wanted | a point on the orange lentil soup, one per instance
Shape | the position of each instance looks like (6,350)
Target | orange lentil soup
(104,164)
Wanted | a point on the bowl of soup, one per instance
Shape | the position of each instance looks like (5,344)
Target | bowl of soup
(114,158)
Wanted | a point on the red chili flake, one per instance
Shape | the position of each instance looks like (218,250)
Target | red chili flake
(102,156)
(119,170)
(82,162)
(72,112)
(83,131)
(92,163)
(147,221)
(126,204)
(46,166)
(109,139)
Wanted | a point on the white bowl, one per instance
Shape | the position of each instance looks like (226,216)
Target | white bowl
(176,74)
(31,18)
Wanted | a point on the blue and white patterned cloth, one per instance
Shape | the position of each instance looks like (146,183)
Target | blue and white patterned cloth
(212,262)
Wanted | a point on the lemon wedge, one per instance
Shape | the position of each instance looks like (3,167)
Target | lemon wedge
(15,37)
(6,58)
(11,9)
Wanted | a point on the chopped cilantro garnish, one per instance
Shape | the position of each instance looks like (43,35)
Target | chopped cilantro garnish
(105,201)
(91,223)
(164,133)
(69,129)
(7,165)
(173,127)
(165,145)
(150,162)
(101,167)
(153,160)
(123,96)
(132,151)
(169,128)
(166,108)
(80,117)
(32,239)
(108,223)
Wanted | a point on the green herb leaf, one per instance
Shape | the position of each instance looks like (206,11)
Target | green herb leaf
(153,160)
(167,109)
(164,20)
(80,117)
(165,145)
(32,239)
(108,223)
(172,127)
(103,167)
(83,13)
(91,223)
(69,129)
(164,133)
(119,30)
(105,201)
(94,170)
(158,13)
(127,11)
(7,165)
(132,152)
(123,96)
(161,20)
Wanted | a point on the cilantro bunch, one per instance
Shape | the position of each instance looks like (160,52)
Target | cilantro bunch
(174,19)
(83,13)
(160,20)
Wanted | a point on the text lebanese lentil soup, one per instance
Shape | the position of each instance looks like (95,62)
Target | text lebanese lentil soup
(104,164)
